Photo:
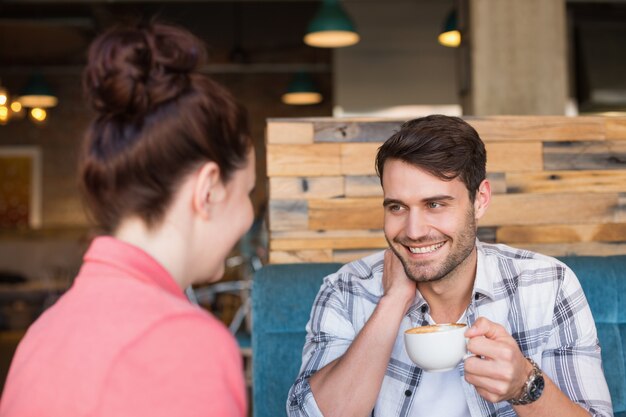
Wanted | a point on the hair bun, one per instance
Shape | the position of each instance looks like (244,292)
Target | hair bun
(131,71)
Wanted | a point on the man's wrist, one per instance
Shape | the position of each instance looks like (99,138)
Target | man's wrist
(532,388)
(393,304)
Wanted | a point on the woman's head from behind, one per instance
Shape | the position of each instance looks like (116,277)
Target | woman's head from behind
(158,119)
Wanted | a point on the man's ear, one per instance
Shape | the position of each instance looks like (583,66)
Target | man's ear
(482,199)
(208,190)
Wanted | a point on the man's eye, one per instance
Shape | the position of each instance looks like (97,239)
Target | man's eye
(394,207)
(434,204)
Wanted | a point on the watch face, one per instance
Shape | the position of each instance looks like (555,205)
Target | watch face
(536,388)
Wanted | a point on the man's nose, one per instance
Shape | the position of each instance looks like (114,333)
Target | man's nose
(416,225)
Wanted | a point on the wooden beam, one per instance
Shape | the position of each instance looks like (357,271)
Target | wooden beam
(588,181)
(288,215)
(287,132)
(363,186)
(615,128)
(562,233)
(515,156)
(285,257)
(347,213)
(306,187)
(543,128)
(358,158)
(333,239)
(355,131)
(584,155)
(575,249)
(322,159)
(537,209)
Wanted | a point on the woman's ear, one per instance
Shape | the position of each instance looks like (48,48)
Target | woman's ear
(208,190)
(482,199)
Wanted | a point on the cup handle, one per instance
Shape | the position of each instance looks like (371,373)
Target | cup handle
(468,354)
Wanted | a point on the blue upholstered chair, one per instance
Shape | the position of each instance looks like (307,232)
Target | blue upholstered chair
(604,281)
(282,296)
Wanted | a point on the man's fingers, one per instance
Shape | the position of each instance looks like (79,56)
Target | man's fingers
(487,328)
(485,347)
(488,368)
(493,380)
(498,389)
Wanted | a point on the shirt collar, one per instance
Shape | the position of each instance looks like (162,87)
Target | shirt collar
(109,256)
(484,282)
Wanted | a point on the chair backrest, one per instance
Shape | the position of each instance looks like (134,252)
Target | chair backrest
(603,279)
(282,297)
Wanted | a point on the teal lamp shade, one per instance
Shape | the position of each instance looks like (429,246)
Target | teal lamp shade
(450,35)
(37,94)
(302,91)
(331,27)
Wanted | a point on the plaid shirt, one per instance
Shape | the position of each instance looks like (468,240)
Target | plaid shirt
(536,298)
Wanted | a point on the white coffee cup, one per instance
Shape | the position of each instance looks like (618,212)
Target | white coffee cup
(437,347)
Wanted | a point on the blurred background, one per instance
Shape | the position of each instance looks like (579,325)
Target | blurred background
(514,57)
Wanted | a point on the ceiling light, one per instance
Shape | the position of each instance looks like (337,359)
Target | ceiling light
(16,107)
(302,91)
(331,27)
(37,93)
(450,35)
(4,115)
(4,96)
(38,115)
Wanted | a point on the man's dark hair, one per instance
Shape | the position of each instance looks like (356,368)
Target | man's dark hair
(446,147)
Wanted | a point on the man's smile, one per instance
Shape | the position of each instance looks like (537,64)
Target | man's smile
(425,249)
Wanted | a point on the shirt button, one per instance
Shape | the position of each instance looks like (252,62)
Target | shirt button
(408,393)
(476,296)
(424,308)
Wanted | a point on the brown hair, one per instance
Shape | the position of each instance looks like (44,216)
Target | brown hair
(446,147)
(158,119)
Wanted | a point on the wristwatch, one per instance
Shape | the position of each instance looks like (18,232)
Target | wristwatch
(532,388)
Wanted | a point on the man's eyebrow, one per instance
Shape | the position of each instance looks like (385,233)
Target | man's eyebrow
(439,198)
(442,197)
(390,201)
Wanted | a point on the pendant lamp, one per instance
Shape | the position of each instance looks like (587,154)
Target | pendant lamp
(4,109)
(4,96)
(331,27)
(450,35)
(302,91)
(37,94)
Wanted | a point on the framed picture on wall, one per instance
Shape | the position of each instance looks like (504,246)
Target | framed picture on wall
(20,187)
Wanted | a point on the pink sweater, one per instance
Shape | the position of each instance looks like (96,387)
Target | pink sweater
(124,341)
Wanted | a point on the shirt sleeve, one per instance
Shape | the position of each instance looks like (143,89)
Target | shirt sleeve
(329,334)
(185,366)
(573,359)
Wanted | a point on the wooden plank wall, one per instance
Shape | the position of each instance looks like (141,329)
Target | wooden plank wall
(559,185)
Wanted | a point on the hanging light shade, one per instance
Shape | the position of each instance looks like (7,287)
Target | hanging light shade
(302,91)
(37,94)
(331,27)
(450,35)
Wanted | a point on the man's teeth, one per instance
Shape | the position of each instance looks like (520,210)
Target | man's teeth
(427,249)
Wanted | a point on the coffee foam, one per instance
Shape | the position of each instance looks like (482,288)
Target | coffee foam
(431,328)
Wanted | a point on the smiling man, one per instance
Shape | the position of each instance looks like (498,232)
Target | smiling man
(531,332)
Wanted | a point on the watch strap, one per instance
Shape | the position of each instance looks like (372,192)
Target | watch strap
(535,376)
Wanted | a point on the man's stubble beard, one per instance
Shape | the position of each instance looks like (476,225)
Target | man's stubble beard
(424,272)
